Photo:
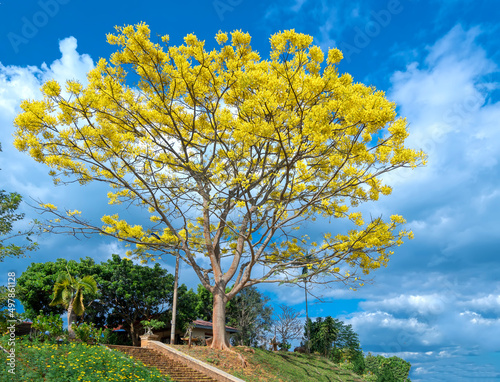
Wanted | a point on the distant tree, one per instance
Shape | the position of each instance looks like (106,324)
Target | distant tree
(336,340)
(392,369)
(287,325)
(187,307)
(204,306)
(248,311)
(346,346)
(9,204)
(323,334)
(134,293)
(36,285)
(69,292)
(148,290)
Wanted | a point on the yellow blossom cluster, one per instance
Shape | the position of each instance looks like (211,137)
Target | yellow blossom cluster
(217,145)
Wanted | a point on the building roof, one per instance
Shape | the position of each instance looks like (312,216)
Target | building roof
(208,325)
(200,324)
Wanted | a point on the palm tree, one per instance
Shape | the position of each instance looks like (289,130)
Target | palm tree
(68,292)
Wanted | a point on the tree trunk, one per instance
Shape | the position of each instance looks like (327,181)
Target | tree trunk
(133,335)
(71,320)
(220,338)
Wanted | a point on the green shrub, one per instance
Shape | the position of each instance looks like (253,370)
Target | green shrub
(370,377)
(394,367)
(358,361)
(47,327)
(89,334)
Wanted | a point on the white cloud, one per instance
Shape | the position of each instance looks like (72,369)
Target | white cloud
(422,304)
(476,319)
(18,83)
(490,303)
(445,98)
(70,66)
(19,171)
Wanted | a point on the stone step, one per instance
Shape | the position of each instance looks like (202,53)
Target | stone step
(177,371)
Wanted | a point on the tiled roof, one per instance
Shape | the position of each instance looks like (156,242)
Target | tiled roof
(198,324)
(208,325)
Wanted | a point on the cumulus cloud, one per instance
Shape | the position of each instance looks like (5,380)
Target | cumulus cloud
(18,83)
(421,304)
(435,308)
(485,304)
(20,172)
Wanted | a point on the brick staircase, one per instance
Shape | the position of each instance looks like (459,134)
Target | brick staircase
(177,371)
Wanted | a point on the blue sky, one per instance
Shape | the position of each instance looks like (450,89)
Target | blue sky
(437,304)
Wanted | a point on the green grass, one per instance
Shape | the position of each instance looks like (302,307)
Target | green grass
(294,367)
(73,362)
(271,366)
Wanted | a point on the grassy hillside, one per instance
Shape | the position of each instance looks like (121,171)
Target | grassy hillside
(36,362)
(268,366)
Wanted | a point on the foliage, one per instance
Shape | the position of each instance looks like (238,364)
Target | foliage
(229,153)
(75,362)
(187,302)
(150,325)
(47,327)
(271,366)
(323,333)
(127,294)
(346,345)
(332,338)
(248,311)
(9,204)
(89,334)
(35,287)
(370,377)
(287,326)
(133,293)
(358,361)
(386,368)
(69,291)
(205,304)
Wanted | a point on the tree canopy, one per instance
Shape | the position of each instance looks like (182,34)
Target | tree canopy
(229,153)
(134,293)
(36,286)
(249,312)
(127,293)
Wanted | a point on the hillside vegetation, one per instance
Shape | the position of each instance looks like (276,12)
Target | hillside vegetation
(271,366)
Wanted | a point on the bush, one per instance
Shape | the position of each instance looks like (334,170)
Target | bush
(285,346)
(346,365)
(47,327)
(89,334)
(370,377)
(358,361)
(394,367)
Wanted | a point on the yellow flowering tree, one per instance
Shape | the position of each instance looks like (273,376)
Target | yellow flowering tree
(229,153)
